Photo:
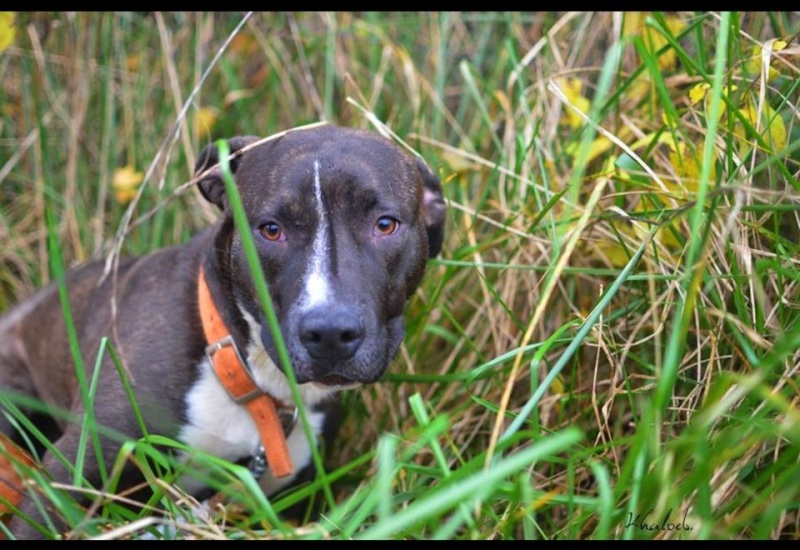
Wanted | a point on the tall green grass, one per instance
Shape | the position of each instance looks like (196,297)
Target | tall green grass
(607,346)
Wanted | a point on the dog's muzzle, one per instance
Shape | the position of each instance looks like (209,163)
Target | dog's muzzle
(331,333)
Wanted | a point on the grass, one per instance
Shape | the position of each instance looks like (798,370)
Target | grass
(606,348)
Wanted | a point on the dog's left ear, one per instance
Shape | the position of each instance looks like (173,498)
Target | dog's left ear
(212,186)
(434,207)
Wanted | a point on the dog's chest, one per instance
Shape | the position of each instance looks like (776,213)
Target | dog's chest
(218,426)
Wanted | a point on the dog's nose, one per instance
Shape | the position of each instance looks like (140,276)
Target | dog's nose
(333,334)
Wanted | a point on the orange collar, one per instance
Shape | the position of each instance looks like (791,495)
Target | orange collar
(234,374)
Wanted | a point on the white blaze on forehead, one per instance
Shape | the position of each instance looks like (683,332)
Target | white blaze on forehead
(316,288)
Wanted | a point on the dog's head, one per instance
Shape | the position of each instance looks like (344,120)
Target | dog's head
(344,222)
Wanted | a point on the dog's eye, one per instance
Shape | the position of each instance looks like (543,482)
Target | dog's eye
(272,231)
(386,226)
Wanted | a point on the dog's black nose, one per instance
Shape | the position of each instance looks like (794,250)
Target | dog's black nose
(333,334)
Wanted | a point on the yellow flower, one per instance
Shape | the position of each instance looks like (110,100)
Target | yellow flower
(698,92)
(632,24)
(754,62)
(125,182)
(668,59)
(572,90)
(204,120)
(609,249)
(7,30)
(458,164)
(772,127)
(686,163)
(598,146)
(636,24)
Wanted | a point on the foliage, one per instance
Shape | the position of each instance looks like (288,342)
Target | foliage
(608,344)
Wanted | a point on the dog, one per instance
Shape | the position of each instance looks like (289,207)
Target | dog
(343,221)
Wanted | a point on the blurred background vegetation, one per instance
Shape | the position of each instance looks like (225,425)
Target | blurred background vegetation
(645,162)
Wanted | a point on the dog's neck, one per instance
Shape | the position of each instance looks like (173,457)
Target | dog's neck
(235,375)
(216,264)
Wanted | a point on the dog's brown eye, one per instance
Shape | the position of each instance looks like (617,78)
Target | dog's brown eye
(272,231)
(386,226)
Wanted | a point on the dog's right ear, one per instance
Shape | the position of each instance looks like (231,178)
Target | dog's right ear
(212,186)
(434,208)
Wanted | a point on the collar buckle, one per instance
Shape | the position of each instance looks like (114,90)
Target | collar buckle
(225,342)
(288,416)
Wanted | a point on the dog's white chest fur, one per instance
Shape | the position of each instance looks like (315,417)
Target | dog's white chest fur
(219,426)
